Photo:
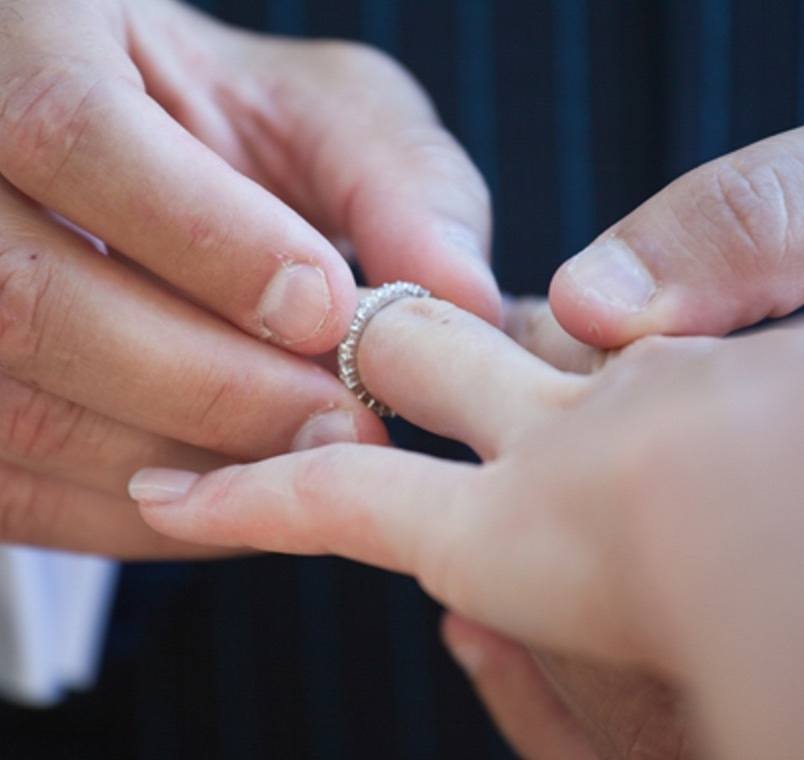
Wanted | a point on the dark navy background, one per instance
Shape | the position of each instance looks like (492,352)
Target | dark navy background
(576,111)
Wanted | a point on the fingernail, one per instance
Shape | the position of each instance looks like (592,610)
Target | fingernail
(336,426)
(608,271)
(469,656)
(160,486)
(296,303)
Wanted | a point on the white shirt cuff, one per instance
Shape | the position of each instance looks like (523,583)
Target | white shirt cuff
(54,608)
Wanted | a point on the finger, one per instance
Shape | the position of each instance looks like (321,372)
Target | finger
(87,329)
(444,523)
(718,249)
(42,511)
(81,136)
(532,324)
(381,172)
(50,436)
(363,502)
(516,693)
(444,369)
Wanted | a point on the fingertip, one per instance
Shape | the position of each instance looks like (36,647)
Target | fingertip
(586,318)
(306,307)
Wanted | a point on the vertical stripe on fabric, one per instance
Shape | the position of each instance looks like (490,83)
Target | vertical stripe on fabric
(238,705)
(715,79)
(417,719)
(286,17)
(380,24)
(321,658)
(575,178)
(210,6)
(476,90)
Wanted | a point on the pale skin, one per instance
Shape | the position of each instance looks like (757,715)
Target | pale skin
(629,516)
(636,527)
(220,168)
(186,383)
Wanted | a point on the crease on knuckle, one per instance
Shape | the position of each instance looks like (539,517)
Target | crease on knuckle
(19,503)
(26,277)
(44,115)
(431,149)
(211,414)
(753,202)
(37,426)
(207,239)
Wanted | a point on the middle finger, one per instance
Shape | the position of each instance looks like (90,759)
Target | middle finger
(86,328)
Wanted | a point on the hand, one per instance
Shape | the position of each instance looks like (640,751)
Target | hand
(207,159)
(553,706)
(713,252)
(716,250)
(628,516)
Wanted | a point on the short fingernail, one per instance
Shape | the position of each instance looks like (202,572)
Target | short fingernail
(608,271)
(161,486)
(336,426)
(296,303)
(469,656)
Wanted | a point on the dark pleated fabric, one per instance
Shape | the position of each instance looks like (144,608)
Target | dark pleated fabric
(575,111)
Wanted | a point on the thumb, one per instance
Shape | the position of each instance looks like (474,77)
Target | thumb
(718,249)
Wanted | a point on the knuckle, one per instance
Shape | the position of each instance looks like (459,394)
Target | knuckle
(635,463)
(35,426)
(669,350)
(25,283)
(325,521)
(212,412)
(357,59)
(433,149)
(313,477)
(751,205)
(44,112)
(18,504)
(366,74)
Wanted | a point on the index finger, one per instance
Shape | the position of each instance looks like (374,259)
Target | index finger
(80,135)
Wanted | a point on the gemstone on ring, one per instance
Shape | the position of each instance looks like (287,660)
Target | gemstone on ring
(368,307)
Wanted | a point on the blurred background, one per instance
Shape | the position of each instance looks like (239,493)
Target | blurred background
(575,111)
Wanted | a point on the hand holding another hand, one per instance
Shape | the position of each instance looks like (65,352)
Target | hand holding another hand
(592,487)
(217,166)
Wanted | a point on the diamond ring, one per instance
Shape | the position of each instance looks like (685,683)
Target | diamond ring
(347,351)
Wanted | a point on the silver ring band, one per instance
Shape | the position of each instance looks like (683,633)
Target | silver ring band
(347,351)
